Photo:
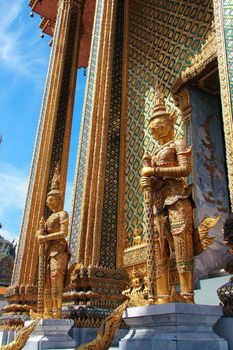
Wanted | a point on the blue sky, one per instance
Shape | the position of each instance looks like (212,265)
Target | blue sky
(24,60)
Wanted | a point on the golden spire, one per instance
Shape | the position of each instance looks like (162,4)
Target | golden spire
(55,189)
(159,106)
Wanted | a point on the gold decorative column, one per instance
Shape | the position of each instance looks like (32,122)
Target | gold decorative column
(51,146)
(100,275)
(223,25)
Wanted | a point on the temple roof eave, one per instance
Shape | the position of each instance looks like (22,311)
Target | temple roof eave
(48,12)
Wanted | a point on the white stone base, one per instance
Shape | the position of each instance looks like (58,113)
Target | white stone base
(51,334)
(173,326)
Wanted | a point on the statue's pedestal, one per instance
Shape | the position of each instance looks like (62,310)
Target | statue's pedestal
(173,326)
(51,334)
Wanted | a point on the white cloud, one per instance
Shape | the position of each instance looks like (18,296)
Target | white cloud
(18,48)
(13,186)
(8,235)
(9,16)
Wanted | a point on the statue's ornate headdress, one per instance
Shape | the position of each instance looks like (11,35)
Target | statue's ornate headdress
(55,189)
(159,106)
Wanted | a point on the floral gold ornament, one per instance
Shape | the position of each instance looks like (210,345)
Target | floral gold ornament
(137,236)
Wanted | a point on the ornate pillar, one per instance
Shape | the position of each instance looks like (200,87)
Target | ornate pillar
(223,15)
(182,101)
(52,143)
(100,230)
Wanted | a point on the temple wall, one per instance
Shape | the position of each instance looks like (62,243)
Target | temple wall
(163,38)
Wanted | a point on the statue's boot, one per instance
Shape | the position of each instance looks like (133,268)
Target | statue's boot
(57,305)
(186,287)
(57,293)
(162,288)
(47,304)
(35,315)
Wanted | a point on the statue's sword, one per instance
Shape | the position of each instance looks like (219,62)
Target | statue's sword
(149,226)
(41,272)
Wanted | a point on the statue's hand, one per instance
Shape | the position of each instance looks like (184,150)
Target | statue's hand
(42,239)
(147,171)
(38,233)
(145,181)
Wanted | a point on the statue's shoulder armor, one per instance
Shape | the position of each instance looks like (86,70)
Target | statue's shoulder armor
(63,216)
(182,147)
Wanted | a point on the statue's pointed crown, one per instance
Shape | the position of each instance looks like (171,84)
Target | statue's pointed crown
(159,106)
(55,186)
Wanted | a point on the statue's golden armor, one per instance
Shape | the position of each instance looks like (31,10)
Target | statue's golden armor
(163,175)
(173,217)
(56,264)
(53,255)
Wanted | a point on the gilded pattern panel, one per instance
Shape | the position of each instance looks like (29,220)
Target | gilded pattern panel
(83,139)
(59,133)
(108,243)
(163,38)
(224,33)
(228,33)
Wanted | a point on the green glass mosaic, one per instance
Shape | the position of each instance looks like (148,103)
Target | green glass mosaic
(163,38)
(228,34)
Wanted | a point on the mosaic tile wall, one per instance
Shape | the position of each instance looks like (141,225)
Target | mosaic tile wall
(108,243)
(163,37)
(228,33)
(83,139)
